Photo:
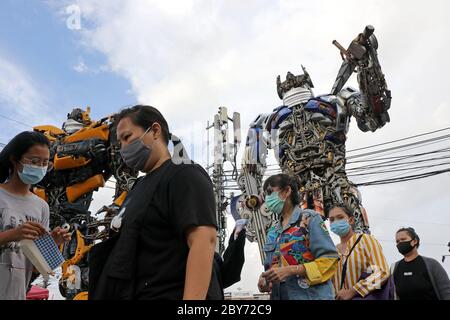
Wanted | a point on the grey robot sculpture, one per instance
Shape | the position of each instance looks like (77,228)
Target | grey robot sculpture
(308,135)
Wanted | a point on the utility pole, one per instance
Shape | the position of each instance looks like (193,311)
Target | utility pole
(223,151)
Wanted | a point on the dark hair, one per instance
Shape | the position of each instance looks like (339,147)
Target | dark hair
(282,181)
(145,116)
(412,233)
(344,208)
(16,148)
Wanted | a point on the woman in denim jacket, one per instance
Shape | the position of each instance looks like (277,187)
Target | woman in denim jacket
(300,255)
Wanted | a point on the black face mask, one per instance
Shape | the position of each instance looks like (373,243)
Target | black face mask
(404,247)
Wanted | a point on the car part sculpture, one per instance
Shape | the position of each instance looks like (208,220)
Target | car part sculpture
(85,154)
(308,136)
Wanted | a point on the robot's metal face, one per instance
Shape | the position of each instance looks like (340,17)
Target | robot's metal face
(295,89)
(72,126)
(77,114)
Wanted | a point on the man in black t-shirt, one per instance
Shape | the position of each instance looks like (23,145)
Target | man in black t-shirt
(417,277)
(178,208)
(168,229)
(412,281)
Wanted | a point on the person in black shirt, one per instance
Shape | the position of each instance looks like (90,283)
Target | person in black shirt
(229,267)
(417,277)
(168,229)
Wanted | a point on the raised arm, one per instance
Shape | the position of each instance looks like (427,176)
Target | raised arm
(250,182)
(369,106)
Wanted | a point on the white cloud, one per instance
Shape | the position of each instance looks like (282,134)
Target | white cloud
(20,99)
(189,57)
(80,67)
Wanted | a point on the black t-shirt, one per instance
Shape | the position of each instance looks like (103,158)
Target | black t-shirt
(187,199)
(412,281)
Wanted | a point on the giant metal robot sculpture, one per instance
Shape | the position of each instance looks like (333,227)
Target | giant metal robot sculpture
(308,136)
(85,154)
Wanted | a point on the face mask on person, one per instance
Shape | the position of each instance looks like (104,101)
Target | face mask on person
(32,174)
(340,227)
(136,153)
(405,247)
(274,203)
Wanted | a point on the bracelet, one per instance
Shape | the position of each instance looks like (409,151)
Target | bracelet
(299,270)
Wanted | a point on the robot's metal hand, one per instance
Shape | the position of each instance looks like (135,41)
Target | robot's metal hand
(356,106)
(371,107)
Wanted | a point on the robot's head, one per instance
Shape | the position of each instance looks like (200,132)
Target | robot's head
(295,89)
(77,120)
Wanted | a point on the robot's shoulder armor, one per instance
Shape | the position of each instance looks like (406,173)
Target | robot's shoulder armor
(51,132)
(347,93)
(326,98)
(324,104)
(260,121)
(278,115)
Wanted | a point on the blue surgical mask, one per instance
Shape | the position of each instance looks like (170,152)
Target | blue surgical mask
(340,227)
(32,174)
(274,203)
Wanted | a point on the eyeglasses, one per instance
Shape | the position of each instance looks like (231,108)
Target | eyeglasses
(39,162)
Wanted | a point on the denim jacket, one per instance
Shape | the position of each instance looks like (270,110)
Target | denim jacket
(304,241)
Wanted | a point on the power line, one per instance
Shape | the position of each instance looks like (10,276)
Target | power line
(398,140)
(436,139)
(402,179)
(396,163)
(392,162)
(411,221)
(400,156)
(411,148)
(396,170)
(422,243)
(16,121)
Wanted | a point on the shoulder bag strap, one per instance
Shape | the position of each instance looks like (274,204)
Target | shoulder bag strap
(344,268)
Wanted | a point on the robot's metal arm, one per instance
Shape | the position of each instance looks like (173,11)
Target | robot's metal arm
(370,107)
(250,204)
(354,104)
(255,153)
(125,179)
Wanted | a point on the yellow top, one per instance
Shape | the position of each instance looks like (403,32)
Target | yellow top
(367,257)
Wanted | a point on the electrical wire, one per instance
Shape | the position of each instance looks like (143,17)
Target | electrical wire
(400,163)
(402,179)
(16,121)
(398,140)
(436,139)
(397,170)
(421,243)
(411,221)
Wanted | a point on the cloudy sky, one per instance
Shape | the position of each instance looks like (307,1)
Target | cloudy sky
(189,57)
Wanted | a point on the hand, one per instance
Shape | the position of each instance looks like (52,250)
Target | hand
(60,235)
(278,274)
(27,231)
(263,286)
(346,294)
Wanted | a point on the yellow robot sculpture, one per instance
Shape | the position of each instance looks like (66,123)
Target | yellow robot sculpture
(85,155)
